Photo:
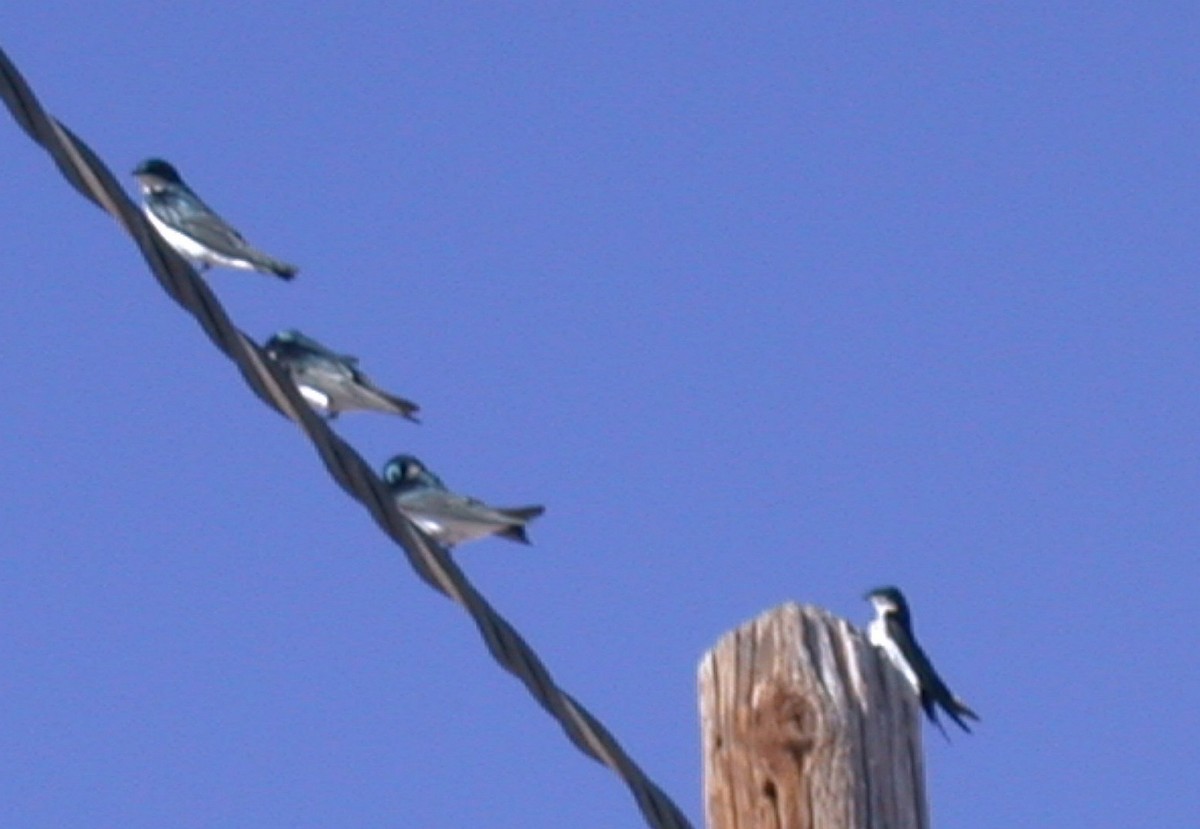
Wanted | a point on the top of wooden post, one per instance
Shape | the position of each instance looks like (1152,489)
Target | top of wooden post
(806,726)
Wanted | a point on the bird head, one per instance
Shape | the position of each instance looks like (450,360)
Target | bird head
(154,173)
(405,472)
(887,600)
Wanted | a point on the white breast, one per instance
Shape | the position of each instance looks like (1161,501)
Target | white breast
(190,248)
(878,636)
(317,399)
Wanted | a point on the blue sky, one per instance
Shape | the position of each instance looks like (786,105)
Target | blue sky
(764,304)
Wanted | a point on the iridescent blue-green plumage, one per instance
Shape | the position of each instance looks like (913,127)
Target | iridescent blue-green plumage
(448,517)
(332,382)
(193,228)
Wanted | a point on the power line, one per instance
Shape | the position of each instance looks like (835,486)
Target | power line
(84,171)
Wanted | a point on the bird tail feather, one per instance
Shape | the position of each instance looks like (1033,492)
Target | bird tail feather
(404,408)
(519,515)
(267,263)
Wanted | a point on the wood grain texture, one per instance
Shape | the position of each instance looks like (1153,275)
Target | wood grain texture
(806,727)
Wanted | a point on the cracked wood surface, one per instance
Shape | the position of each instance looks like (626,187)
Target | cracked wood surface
(805,726)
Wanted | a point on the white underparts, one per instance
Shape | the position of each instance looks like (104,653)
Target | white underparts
(315,398)
(878,636)
(191,249)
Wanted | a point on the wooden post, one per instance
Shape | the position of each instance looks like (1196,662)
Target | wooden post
(806,727)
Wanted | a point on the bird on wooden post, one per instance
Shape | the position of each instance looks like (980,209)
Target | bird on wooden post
(892,632)
(805,727)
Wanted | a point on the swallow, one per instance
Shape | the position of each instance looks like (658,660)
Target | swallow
(332,382)
(892,631)
(192,228)
(447,517)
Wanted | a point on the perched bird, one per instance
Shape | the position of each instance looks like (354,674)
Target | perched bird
(448,517)
(329,381)
(892,630)
(192,228)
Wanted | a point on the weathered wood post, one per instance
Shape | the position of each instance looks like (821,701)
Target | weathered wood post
(806,727)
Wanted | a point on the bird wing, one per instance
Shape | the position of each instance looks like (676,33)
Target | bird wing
(330,376)
(934,691)
(335,375)
(462,518)
(452,507)
(189,215)
(370,396)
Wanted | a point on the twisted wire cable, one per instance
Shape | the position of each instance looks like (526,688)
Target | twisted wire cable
(89,175)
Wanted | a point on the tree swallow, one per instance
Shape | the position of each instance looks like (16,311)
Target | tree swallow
(892,631)
(192,228)
(329,381)
(448,517)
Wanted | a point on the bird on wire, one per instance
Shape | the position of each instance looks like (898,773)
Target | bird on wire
(450,518)
(332,383)
(193,229)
